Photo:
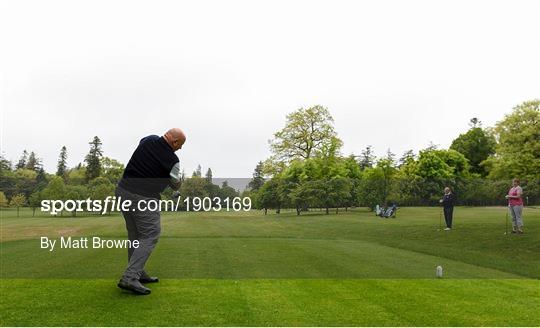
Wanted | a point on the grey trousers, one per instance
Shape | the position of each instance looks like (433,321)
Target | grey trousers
(143,226)
(515,213)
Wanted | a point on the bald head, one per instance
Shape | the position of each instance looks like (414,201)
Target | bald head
(175,137)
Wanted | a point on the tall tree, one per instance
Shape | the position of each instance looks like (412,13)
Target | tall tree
(306,132)
(518,148)
(407,157)
(475,122)
(208,175)
(93,159)
(258,180)
(477,145)
(198,172)
(5,165)
(21,164)
(111,169)
(376,183)
(62,162)
(269,196)
(33,163)
(367,158)
(390,156)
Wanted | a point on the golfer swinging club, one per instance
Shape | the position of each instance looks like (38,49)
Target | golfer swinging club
(152,167)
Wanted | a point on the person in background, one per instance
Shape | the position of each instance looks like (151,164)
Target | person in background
(448,201)
(515,206)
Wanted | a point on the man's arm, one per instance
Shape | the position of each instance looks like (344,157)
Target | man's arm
(519,193)
(176,179)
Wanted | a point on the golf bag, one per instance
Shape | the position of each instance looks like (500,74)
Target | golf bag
(388,212)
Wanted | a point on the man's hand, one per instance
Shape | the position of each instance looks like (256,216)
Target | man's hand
(175,185)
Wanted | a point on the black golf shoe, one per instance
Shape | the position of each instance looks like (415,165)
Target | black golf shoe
(133,285)
(146,279)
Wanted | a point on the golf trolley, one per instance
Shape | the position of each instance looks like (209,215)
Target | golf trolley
(386,212)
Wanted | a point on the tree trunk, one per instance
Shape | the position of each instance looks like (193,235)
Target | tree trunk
(327,210)
(265,211)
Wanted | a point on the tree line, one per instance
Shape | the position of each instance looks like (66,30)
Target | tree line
(26,183)
(306,169)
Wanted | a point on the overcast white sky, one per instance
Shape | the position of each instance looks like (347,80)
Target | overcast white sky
(394,74)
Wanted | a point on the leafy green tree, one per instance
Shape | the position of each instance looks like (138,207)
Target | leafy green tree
(269,195)
(377,183)
(303,194)
(18,201)
(354,174)
(407,157)
(212,190)
(434,170)
(41,178)
(62,162)
(93,159)
(78,193)
(25,181)
(227,191)
(100,188)
(55,190)
(332,175)
(518,147)
(34,201)
(5,165)
(322,181)
(477,145)
(111,169)
(76,176)
(7,180)
(292,188)
(333,192)
(258,177)
(193,187)
(3,200)
(306,132)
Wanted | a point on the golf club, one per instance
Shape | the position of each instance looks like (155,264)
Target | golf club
(440,220)
(506,224)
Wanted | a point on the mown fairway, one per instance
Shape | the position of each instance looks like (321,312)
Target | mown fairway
(249,269)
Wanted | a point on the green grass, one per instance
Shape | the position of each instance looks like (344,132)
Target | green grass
(249,269)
